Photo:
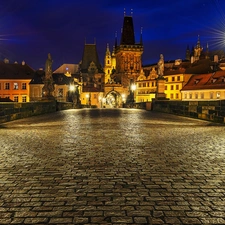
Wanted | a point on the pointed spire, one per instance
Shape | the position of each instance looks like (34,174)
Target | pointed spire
(107,49)
(124,12)
(127,37)
(141,41)
(116,39)
(131,12)
(198,43)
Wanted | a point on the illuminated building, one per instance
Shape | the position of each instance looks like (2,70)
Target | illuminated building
(128,66)
(14,81)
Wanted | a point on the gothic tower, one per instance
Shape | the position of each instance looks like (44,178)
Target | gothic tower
(128,54)
(110,64)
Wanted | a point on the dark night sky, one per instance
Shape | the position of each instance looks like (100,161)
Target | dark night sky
(30,29)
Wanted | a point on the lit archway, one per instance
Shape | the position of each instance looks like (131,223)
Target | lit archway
(113,99)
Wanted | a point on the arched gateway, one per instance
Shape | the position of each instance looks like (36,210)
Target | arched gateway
(113,99)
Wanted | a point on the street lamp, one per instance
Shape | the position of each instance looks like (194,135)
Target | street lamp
(87,99)
(133,88)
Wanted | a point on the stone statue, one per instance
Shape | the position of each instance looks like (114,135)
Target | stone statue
(48,87)
(48,66)
(161,66)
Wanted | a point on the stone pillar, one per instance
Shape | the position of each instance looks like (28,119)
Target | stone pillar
(160,93)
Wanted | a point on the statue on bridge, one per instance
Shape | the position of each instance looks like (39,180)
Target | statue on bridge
(48,80)
(161,66)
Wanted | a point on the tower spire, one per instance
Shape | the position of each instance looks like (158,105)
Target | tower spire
(141,41)
(116,39)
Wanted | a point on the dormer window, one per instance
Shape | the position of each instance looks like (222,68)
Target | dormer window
(197,81)
(223,79)
(213,80)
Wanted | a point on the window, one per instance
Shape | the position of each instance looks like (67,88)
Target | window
(202,95)
(171,96)
(165,87)
(178,78)
(15,86)
(218,95)
(152,84)
(24,86)
(16,99)
(60,92)
(173,78)
(190,95)
(144,84)
(211,95)
(148,84)
(177,95)
(177,87)
(171,88)
(185,95)
(24,98)
(7,86)
(196,95)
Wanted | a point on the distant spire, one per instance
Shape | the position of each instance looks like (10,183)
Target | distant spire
(131,12)
(141,41)
(124,12)
(198,43)
(116,39)
(107,48)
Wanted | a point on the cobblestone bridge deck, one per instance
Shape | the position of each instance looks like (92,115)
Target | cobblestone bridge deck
(112,166)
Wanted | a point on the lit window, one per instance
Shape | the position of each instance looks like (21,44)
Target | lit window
(178,78)
(177,95)
(15,86)
(171,88)
(24,86)
(202,95)
(171,96)
(190,95)
(60,92)
(165,87)
(218,95)
(177,87)
(211,95)
(24,98)
(196,95)
(16,99)
(185,95)
(173,78)
(7,86)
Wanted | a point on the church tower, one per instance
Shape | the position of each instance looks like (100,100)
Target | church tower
(107,64)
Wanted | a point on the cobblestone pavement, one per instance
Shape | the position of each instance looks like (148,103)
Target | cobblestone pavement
(112,166)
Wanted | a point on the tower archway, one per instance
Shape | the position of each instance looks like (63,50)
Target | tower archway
(113,99)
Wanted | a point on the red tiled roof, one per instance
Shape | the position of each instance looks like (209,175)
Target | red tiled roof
(206,81)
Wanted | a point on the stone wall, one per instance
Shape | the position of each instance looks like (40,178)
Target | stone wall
(13,110)
(207,110)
